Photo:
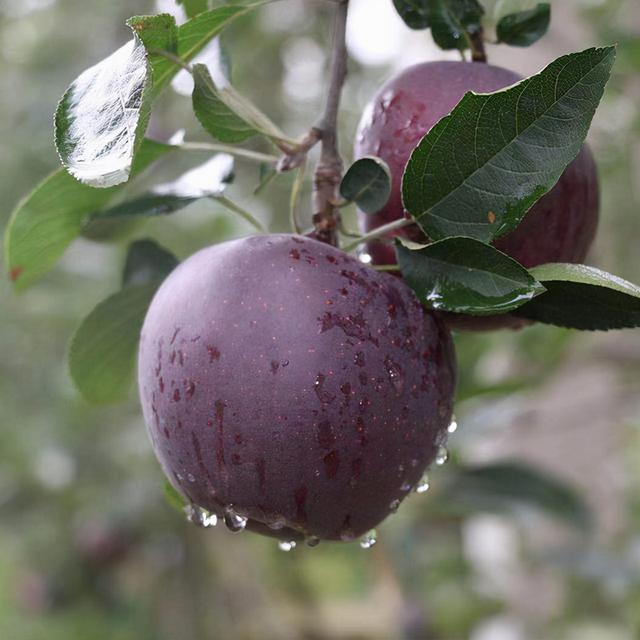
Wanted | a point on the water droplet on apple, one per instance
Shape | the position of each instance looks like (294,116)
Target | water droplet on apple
(442,456)
(369,540)
(234,521)
(423,484)
(286,545)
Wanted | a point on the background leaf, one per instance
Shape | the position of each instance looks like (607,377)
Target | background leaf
(581,297)
(524,28)
(479,170)
(367,182)
(213,114)
(512,486)
(451,20)
(147,262)
(101,119)
(103,350)
(50,218)
(415,13)
(463,275)
(193,36)
(194,7)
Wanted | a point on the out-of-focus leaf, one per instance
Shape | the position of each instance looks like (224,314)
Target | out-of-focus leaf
(101,119)
(367,182)
(451,20)
(45,223)
(194,35)
(581,297)
(194,7)
(214,115)
(415,13)
(524,28)
(479,170)
(173,498)
(103,350)
(463,275)
(146,263)
(512,486)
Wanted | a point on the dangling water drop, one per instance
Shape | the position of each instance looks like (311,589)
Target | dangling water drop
(453,427)
(369,540)
(234,521)
(200,517)
(394,506)
(312,541)
(286,545)
(423,484)
(442,456)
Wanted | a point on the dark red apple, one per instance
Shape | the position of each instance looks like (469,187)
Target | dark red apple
(284,382)
(559,228)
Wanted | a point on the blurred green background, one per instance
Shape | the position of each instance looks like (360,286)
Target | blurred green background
(90,549)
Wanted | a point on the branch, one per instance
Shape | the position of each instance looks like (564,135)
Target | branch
(328,173)
(476,40)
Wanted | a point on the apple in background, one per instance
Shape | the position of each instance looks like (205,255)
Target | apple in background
(560,227)
(290,389)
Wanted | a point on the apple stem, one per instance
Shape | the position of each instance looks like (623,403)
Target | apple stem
(328,172)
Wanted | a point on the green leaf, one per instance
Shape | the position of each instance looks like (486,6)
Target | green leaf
(147,262)
(101,119)
(479,170)
(51,217)
(173,498)
(367,183)
(147,205)
(581,297)
(194,7)
(510,486)
(462,275)
(213,114)
(194,35)
(452,20)
(415,13)
(102,352)
(524,28)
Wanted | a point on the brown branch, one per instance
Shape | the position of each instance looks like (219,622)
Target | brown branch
(476,40)
(328,173)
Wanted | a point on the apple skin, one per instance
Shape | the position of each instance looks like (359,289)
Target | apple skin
(282,378)
(560,227)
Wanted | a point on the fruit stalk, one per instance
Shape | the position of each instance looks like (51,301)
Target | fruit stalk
(329,170)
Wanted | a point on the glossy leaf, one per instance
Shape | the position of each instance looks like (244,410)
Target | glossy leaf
(451,20)
(415,13)
(101,119)
(524,28)
(102,352)
(510,487)
(581,297)
(462,275)
(147,262)
(213,114)
(51,217)
(479,170)
(367,182)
